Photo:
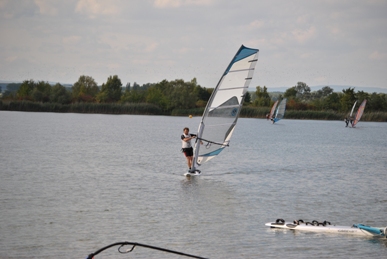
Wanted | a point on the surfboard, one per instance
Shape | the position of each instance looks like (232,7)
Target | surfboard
(314,226)
(195,173)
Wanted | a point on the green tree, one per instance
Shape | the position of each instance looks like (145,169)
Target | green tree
(175,94)
(262,97)
(41,92)
(182,95)
(290,93)
(347,99)
(303,91)
(202,93)
(323,92)
(133,94)
(111,91)
(377,102)
(247,100)
(127,87)
(155,96)
(85,89)
(13,87)
(361,95)
(25,90)
(331,102)
(318,97)
(136,86)
(37,95)
(59,94)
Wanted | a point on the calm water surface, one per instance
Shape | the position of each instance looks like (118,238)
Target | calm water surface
(74,183)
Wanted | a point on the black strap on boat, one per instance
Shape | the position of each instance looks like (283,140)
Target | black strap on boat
(297,222)
(211,142)
(314,222)
(122,244)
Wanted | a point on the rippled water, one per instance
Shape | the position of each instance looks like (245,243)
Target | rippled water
(74,183)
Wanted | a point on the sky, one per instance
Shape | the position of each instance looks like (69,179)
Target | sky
(330,42)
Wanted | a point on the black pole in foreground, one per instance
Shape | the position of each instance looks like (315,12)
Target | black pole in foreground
(121,244)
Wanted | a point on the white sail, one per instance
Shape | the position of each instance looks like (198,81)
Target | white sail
(223,107)
(273,109)
(353,107)
(280,110)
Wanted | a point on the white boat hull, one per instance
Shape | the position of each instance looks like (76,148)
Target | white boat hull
(327,229)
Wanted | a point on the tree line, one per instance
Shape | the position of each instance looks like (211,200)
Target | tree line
(178,95)
(167,95)
(300,97)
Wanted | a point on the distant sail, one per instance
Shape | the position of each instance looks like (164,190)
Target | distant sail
(273,109)
(280,110)
(223,108)
(359,113)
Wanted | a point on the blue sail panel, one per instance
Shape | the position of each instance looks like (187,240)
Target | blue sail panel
(242,53)
(214,153)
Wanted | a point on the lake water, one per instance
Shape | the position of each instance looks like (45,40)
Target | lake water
(74,183)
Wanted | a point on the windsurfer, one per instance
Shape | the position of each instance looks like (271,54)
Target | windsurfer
(346,121)
(267,116)
(187,147)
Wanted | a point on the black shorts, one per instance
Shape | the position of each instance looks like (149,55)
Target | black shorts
(188,151)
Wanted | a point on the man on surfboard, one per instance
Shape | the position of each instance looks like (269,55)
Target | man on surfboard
(187,147)
(346,120)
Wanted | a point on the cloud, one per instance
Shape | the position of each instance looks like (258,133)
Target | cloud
(16,9)
(156,39)
(151,47)
(112,66)
(180,3)
(306,55)
(257,24)
(320,79)
(167,3)
(304,35)
(11,58)
(3,3)
(46,7)
(94,8)
(376,55)
(71,40)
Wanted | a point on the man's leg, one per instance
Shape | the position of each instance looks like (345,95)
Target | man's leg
(189,161)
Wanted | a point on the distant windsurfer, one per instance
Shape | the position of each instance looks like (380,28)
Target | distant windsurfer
(346,121)
(187,147)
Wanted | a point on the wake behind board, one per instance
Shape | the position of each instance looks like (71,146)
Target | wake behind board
(194,173)
(315,226)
